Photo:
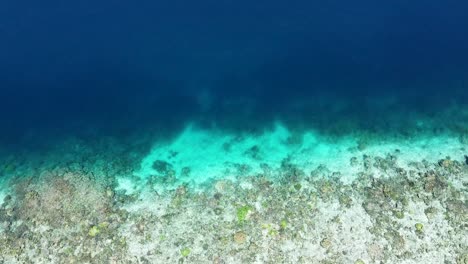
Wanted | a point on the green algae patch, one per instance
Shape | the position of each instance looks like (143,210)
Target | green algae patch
(243,212)
(271,230)
(97,229)
(94,231)
(419,227)
(185,252)
(283,224)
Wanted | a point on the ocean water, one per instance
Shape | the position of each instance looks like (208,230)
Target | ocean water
(136,103)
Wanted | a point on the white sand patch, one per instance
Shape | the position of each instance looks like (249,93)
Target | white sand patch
(149,202)
(354,233)
(126,184)
(212,155)
(421,148)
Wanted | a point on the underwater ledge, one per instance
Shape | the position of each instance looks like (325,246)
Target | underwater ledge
(208,196)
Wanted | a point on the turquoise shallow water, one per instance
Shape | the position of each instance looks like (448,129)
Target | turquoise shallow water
(200,152)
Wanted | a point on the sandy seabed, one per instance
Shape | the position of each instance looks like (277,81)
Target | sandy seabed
(266,199)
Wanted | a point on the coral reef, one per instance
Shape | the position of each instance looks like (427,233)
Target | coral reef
(393,211)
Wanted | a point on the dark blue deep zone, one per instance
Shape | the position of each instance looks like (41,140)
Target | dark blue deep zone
(116,67)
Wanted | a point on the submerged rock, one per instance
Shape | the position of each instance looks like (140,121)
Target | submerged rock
(462,259)
(7,199)
(162,166)
(240,237)
(446,163)
(430,212)
(325,243)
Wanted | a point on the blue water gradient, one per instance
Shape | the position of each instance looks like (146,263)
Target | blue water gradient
(118,67)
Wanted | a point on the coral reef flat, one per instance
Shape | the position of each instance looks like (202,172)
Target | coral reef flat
(204,196)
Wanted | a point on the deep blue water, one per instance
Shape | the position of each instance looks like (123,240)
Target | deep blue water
(68,66)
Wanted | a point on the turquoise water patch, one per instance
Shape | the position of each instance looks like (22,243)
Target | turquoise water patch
(198,156)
